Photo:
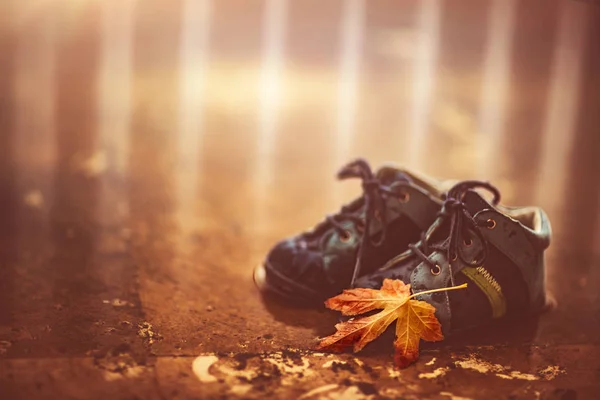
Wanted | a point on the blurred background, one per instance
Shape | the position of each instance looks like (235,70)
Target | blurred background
(257,99)
(152,149)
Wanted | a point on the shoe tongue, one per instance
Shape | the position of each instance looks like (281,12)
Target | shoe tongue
(389,175)
(475,203)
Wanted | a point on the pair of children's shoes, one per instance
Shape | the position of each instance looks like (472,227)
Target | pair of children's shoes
(430,234)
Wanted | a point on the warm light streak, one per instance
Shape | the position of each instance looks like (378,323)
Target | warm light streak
(273,39)
(496,77)
(270,96)
(114,84)
(428,26)
(563,102)
(196,18)
(352,37)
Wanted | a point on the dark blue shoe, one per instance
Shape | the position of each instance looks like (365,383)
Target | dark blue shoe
(396,206)
(497,251)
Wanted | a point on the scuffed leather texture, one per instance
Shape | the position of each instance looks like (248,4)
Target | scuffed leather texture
(505,261)
(293,260)
(325,263)
(319,263)
(512,240)
(339,257)
(375,280)
(421,208)
(522,245)
(422,279)
(510,237)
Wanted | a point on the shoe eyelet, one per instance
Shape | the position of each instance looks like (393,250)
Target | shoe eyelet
(404,197)
(345,237)
(491,224)
(436,271)
(467,242)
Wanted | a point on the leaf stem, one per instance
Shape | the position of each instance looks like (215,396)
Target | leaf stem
(463,286)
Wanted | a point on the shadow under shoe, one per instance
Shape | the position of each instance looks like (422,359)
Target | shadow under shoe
(320,320)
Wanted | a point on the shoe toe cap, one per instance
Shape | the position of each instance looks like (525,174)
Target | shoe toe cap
(282,256)
(294,267)
(292,258)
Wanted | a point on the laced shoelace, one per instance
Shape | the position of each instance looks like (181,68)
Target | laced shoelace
(461,223)
(374,192)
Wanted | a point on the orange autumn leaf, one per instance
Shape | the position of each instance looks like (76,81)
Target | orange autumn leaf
(415,320)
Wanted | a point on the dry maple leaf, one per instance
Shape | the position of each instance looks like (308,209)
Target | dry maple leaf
(416,319)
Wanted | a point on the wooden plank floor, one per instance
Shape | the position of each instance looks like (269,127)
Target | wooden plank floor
(151,155)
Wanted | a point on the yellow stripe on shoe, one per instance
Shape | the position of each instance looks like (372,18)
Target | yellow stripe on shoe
(489,286)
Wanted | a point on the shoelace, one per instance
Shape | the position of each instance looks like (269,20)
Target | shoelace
(374,205)
(461,222)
